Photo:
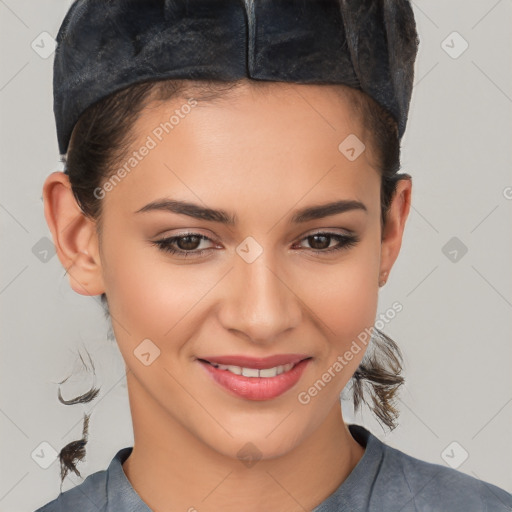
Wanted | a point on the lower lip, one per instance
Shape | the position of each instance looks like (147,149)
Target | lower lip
(257,388)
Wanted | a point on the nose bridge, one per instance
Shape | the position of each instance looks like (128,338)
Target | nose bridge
(260,303)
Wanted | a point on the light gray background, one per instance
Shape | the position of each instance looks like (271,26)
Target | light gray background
(455,328)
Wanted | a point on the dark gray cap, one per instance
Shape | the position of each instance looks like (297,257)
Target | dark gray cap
(106,45)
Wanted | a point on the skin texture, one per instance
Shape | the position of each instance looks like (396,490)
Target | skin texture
(262,154)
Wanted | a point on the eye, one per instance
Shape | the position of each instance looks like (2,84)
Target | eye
(183,245)
(321,242)
(188,244)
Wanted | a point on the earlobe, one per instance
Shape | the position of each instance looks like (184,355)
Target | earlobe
(74,236)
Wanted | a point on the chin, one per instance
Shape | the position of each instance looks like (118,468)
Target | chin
(259,436)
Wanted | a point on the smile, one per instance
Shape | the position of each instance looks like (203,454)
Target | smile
(254,372)
(255,383)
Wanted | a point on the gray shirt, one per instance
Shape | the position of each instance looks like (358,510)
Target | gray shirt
(384,480)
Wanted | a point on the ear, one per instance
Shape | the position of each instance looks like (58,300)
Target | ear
(74,236)
(395,225)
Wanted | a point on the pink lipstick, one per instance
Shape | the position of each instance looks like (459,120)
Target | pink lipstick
(256,378)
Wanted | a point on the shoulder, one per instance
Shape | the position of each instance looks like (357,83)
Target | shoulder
(98,490)
(387,479)
(88,496)
(426,486)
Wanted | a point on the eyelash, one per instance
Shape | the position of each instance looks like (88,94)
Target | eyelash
(165,244)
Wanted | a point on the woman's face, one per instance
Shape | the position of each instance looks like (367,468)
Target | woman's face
(253,287)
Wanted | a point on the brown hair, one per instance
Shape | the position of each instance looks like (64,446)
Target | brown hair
(103,135)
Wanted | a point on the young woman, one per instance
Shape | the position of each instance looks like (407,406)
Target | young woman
(231,193)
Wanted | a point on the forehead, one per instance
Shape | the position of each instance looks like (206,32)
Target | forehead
(271,140)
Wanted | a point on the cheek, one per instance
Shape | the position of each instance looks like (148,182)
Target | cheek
(344,298)
(352,304)
(345,294)
(151,298)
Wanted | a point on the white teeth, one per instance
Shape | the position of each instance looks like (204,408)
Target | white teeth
(250,372)
(253,372)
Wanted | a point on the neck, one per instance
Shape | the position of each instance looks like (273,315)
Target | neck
(171,469)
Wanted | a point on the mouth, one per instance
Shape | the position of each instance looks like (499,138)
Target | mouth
(252,372)
(256,378)
(259,363)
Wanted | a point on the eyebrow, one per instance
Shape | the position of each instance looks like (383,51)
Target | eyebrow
(203,213)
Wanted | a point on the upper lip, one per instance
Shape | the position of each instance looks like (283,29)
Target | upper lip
(259,363)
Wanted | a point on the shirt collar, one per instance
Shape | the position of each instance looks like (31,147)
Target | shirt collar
(120,493)
(353,492)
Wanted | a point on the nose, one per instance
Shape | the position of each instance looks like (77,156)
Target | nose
(260,303)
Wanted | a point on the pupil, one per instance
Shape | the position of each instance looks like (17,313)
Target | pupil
(315,239)
(188,243)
